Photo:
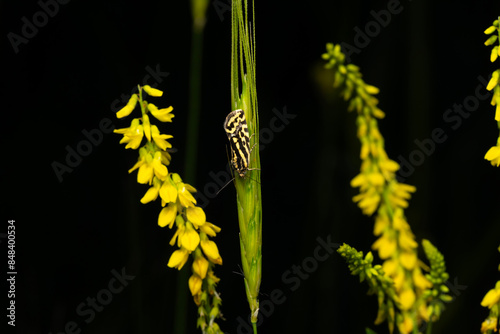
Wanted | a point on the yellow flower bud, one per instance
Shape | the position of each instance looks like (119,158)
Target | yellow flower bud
(200,266)
(152,91)
(490,30)
(211,251)
(195,284)
(125,111)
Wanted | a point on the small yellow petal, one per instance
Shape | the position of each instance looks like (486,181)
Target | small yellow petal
(167,215)
(152,91)
(151,194)
(178,259)
(145,173)
(210,229)
(407,299)
(190,239)
(125,111)
(491,298)
(386,247)
(196,215)
(408,260)
(168,191)
(493,81)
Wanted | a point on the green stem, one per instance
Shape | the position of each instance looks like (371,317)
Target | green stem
(193,123)
(429,328)
(254,325)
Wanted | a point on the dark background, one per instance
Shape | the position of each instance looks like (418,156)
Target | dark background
(71,234)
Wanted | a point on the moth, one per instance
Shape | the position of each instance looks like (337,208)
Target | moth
(236,129)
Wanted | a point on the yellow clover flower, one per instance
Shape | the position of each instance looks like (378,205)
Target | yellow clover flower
(493,155)
(152,91)
(132,136)
(167,215)
(163,115)
(491,298)
(178,258)
(127,110)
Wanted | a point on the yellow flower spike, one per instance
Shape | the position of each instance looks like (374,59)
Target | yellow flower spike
(167,215)
(190,239)
(200,266)
(211,251)
(159,139)
(132,136)
(196,215)
(168,191)
(152,193)
(127,110)
(195,284)
(178,259)
(147,126)
(163,115)
(491,298)
(160,170)
(210,229)
(408,260)
(152,91)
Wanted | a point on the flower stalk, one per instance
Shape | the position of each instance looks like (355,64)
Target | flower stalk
(382,194)
(179,209)
(248,188)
